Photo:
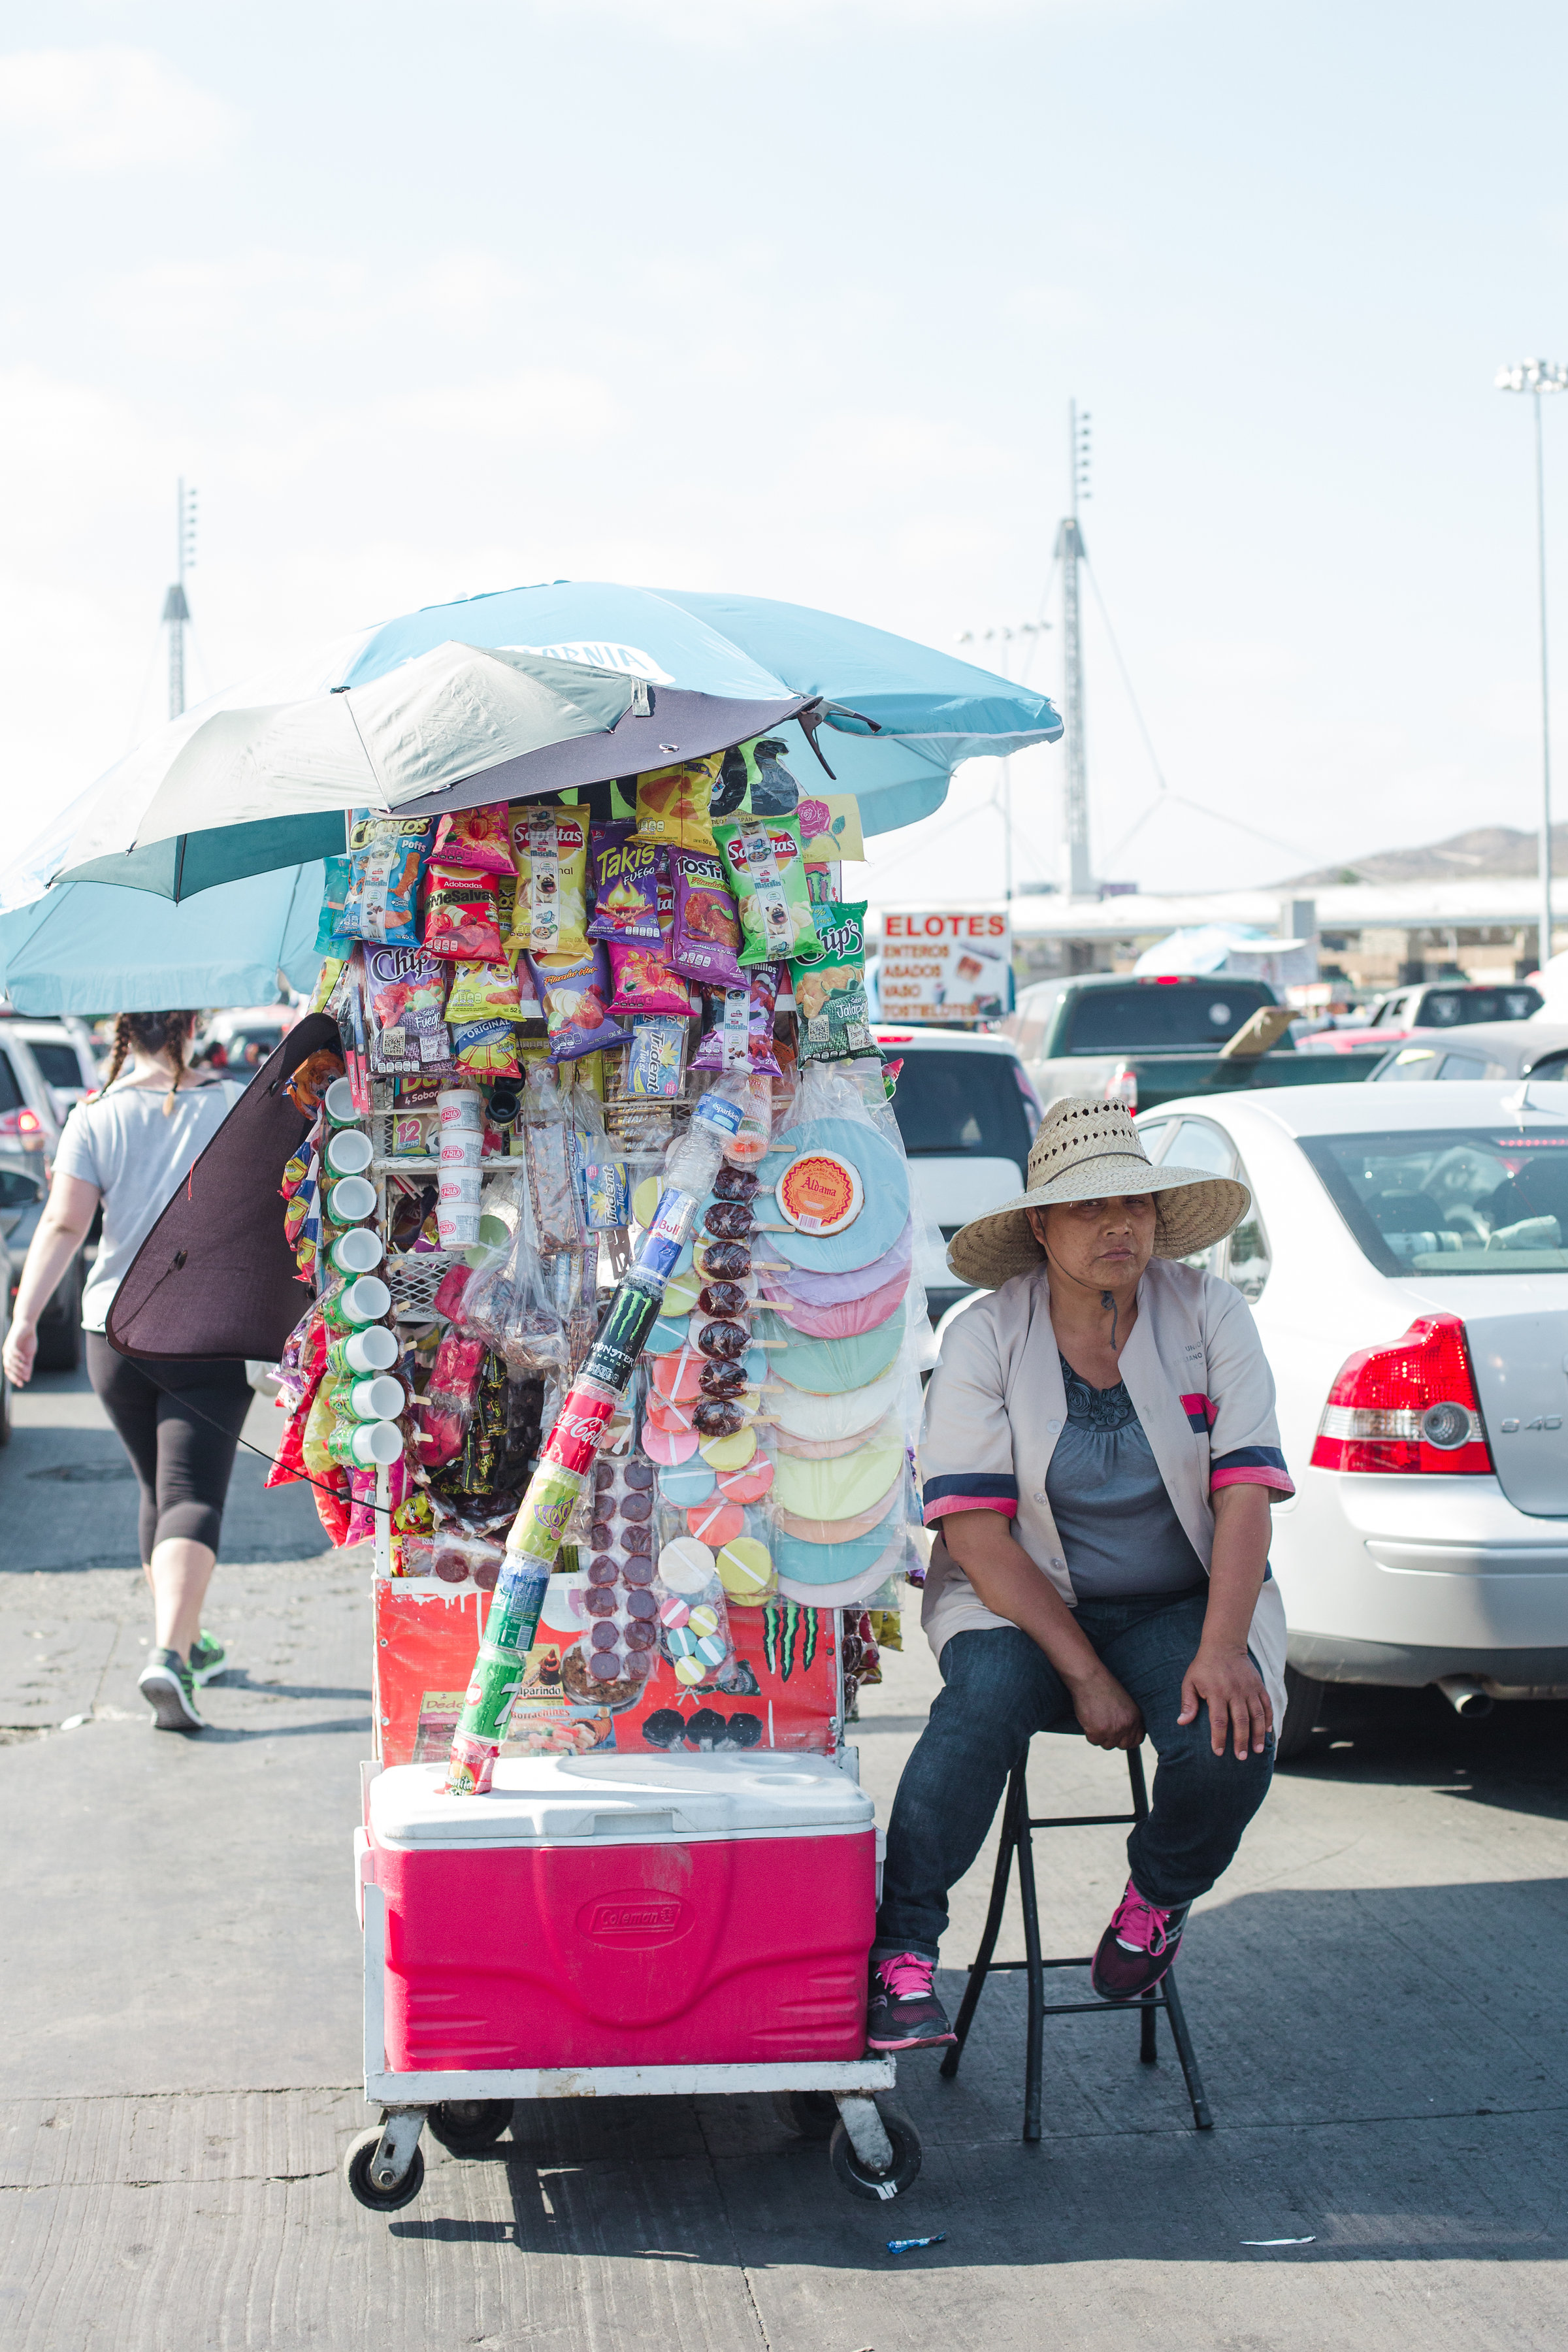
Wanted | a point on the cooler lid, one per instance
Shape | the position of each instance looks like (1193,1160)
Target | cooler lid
(552,1799)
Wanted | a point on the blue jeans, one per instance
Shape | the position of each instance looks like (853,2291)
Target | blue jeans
(999,1687)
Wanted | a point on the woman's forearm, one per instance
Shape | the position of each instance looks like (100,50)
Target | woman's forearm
(1235,1572)
(1010,1585)
(61,1231)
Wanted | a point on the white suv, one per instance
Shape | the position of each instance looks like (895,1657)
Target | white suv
(967,1112)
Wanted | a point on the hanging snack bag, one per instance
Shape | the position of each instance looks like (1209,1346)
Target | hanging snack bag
(644,981)
(673,804)
(830,996)
(626,889)
(549,852)
(740,1034)
(381,901)
(705,942)
(481,1009)
(574,991)
(461,915)
(334,892)
(405,994)
(479,838)
(764,866)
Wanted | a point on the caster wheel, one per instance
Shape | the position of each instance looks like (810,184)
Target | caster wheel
(356,2172)
(874,2186)
(467,2126)
(810,2115)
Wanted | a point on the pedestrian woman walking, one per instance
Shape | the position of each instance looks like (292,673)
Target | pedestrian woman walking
(129,1146)
(1098,1459)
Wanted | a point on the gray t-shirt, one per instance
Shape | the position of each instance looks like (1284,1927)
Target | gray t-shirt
(1120,1532)
(122,1143)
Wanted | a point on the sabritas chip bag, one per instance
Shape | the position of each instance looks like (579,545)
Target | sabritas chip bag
(550,850)
(765,870)
(673,804)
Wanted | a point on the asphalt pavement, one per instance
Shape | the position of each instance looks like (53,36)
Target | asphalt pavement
(1374,1992)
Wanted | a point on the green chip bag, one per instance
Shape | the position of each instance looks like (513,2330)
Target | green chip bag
(766,873)
(830,992)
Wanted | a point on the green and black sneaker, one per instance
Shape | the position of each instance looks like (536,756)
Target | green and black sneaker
(166,1685)
(207,1658)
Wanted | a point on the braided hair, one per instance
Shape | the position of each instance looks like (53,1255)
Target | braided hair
(152,1033)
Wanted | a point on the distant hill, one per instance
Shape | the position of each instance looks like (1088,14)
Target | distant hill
(1486,850)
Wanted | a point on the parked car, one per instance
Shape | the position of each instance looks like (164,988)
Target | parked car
(239,1041)
(1141,1041)
(1406,1258)
(967,1114)
(64,1055)
(1440,1004)
(30,1122)
(1491,1049)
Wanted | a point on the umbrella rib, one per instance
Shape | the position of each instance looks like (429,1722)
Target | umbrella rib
(376,775)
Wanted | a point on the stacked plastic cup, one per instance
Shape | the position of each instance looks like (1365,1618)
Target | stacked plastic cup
(460,1116)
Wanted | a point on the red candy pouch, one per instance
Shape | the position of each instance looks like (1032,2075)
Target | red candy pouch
(761,998)
(461,917)
(644,981)
(477,838)
(705,937)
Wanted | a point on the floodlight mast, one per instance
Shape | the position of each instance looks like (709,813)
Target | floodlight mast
(1535,377)
(176,611)
(1069,549)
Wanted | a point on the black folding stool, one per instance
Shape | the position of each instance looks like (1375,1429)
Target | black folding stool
(1017,1825)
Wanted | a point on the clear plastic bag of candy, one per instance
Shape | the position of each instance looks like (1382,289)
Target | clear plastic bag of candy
(694,1618)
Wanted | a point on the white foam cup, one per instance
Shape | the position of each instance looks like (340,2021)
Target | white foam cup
(359,1251)
(379,1397)
(349,1150)
(351,1199)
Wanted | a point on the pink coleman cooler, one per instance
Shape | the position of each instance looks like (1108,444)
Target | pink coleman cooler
(624,1911)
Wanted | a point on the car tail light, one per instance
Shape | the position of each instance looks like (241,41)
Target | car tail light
(23,1126)
(1122,1086)
(1408,1407)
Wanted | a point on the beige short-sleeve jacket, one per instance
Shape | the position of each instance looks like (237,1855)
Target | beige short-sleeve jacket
(1197,1375)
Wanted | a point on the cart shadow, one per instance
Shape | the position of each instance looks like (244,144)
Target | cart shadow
(232,1735)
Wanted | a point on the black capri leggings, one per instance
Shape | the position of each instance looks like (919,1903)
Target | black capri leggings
(181,1463)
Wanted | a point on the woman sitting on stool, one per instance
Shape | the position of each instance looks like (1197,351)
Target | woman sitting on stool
(1100,1456)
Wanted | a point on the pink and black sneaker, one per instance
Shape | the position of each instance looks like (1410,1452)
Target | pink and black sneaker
(1137,1947)
(902,2013)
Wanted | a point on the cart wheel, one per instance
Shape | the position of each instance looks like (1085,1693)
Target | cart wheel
(467,2126)
(356,2172)
(811,2114)
(903,2170)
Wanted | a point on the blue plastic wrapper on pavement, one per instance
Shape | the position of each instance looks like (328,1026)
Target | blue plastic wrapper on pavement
(907,2245)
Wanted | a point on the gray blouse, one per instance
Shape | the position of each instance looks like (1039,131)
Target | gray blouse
(1119,1529)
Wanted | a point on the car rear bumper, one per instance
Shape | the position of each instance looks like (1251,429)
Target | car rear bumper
(1395,1579)
(1504,1673)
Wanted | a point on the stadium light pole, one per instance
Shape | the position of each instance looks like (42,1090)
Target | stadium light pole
(1535,377)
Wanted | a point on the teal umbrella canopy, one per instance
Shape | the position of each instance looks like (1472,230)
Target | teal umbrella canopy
(649,675)
(90,947)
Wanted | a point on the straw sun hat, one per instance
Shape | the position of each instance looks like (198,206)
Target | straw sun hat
(1090,1150)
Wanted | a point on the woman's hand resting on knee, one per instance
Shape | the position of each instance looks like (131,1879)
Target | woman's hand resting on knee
(1222,1676)
(1008,1580)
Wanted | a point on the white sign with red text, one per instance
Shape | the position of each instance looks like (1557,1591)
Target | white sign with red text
(944,967)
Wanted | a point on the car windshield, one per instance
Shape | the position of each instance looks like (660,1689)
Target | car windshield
(953,1101)
(1451,1200)
(1148,1015)
(1448,1008)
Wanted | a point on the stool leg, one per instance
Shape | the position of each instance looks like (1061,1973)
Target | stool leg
(1036,1975)
(1010,1805)
(1147,2051)
(1202,2119)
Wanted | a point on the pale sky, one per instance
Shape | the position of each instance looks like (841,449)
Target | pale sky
(789,296)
